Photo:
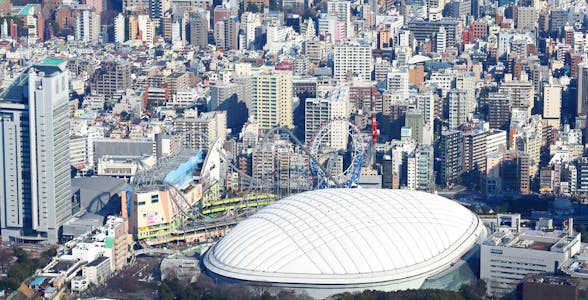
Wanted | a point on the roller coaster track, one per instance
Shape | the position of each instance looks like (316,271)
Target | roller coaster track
(304,147)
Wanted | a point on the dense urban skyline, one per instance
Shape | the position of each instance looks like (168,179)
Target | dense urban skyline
(436,145)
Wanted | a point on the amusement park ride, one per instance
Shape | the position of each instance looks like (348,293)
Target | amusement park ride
(323,167)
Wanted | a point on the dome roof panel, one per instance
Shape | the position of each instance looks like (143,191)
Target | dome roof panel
(346,235)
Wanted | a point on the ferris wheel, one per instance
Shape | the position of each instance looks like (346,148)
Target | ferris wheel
(339,148)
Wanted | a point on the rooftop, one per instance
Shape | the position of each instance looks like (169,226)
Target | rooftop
(551,240)
(157,175)
(97,261)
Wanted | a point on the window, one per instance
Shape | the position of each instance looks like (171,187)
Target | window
(155,198)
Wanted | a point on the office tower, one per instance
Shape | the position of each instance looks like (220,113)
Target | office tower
(226,33)
(119,29)
(199,31)
(112,76)
(498,106)
(450,152)
(86,25)
(319,111)
(352,61)
(271,99)
(457,108)
(552,104)
(35,169)
(200,132)
(582,102)
(414,120)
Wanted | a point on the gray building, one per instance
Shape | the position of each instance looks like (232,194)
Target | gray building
(422,29)
(414,120)
(199,31)
(582,100)
(34,143)
(450,158)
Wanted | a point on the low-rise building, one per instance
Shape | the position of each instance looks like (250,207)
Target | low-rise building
(513,252)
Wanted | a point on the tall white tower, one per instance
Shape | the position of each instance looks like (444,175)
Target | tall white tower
(35,183)
(119,29)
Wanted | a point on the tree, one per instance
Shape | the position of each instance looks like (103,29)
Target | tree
(474,291)
(252,7)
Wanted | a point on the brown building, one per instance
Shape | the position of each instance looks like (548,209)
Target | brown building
(416,74)
(548,287)
(177,81)
(479,30)
(64,18)
(112,76)
(5,7)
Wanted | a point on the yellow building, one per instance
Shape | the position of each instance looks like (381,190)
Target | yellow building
(156,213)
(271,97)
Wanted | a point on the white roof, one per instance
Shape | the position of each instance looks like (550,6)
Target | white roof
(347,236)
(418,59)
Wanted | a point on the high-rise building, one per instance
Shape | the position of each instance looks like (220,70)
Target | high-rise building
(199,31)
(35,189)
(119,29)
(441,41)
(157,8)
(352,61)
(146,27)
(318,111)
(86,24)
(413,119)
(582,101)
(226,33)
(467,82)
(450,152)
(397,82)
(425,101)
(499,111)
(521,93)
(271,99)
(200,132)
(527,18)
(420,166)
(457,108)
(552,104)
(342,11)
(112,76)
(474,148)
(427,29)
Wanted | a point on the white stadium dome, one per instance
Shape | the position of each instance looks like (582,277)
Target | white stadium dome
(334,240)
